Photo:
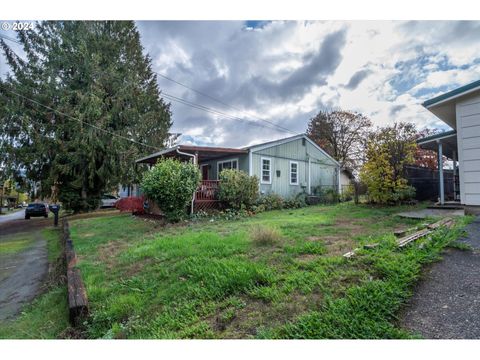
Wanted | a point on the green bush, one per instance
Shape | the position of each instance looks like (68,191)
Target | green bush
(271,201)
(348,193)
(405,193)
(326,194)
(295,202)
(171,184)
(237,189)
(71,199)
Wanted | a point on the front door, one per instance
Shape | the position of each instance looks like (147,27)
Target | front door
(205,172)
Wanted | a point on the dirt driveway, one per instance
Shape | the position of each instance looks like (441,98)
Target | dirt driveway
(23,261)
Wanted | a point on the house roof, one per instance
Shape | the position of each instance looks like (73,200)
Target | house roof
(349,173)
(453,94)
(448,140)
(436,137)
(210,153)
(289,139)
(443,106)
(203,152)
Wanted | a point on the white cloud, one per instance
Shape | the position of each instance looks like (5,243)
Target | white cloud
(286,71)
(389,67)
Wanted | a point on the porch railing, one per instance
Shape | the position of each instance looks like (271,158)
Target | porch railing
(207,190)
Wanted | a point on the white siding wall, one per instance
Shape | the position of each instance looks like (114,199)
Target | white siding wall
(468,130)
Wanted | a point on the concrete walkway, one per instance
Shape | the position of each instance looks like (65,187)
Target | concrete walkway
(446,303)
(424,213)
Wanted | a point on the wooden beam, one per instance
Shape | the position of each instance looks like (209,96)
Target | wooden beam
(77,293)
(404,241)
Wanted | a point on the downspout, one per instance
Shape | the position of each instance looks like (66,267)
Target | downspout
(309,176)
(339,180)
(194,158)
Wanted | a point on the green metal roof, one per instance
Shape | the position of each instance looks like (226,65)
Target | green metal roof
(452,93)
(437,136)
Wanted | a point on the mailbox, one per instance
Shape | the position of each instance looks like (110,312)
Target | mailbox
(55,209)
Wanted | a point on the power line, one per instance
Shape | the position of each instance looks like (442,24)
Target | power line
(203,107)
(221,102)
(11,39)
(81,121)
(210,110)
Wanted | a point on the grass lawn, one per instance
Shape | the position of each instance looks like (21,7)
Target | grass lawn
(279,274)
(15,243)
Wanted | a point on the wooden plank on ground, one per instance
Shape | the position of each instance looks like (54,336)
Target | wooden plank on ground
(404,241)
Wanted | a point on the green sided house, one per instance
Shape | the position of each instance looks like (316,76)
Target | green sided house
(286,167)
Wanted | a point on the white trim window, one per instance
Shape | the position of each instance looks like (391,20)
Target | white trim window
(293,173)
(226,164)
(266,170)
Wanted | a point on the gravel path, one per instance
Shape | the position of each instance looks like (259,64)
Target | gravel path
(446,303)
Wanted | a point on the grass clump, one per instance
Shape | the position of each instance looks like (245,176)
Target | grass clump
(460,246)
(265,235)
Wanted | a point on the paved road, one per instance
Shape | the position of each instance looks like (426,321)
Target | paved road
(22,274)
(446,303)
(20,214)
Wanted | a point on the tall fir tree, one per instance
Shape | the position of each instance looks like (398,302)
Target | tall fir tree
(96,89)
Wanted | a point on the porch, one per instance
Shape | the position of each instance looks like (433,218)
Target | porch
(446,147)
(205,197)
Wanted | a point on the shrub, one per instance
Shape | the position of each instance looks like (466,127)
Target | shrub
(387,153)
(404,193)
(237,189)
(271,201)
(171,184)
(71,199)
(326,194)
(295,202)
(348,193)
(263,235)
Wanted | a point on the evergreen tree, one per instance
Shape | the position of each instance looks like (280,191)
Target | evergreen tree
(97,89)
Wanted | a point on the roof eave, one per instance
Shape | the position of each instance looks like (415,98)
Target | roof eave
(451,95)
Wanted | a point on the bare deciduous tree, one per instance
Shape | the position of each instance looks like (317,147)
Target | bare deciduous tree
(342,134)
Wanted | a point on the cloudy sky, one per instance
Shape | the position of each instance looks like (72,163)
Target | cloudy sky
(285,72)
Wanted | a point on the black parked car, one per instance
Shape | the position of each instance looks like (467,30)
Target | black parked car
(36,209)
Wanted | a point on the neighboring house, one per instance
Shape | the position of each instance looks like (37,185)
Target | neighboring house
(286,167)
(346,179)
(460,109)
(126,191)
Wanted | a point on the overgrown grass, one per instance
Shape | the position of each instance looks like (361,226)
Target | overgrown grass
(263,235)
(218,280)
(368,310)
(47,316)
